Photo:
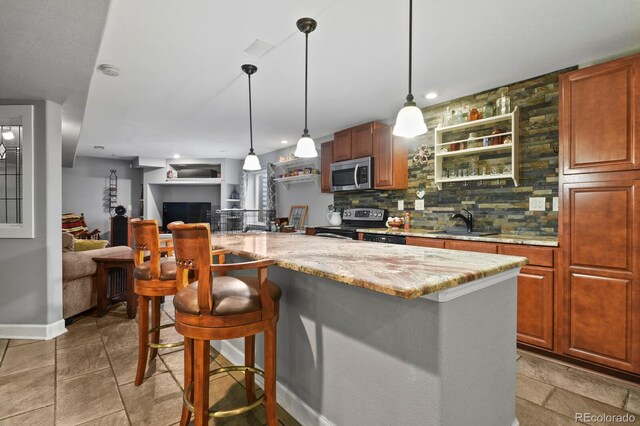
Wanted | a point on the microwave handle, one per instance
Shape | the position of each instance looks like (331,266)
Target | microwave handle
(355,176)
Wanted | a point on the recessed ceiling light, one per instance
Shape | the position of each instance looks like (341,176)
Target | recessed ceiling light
(98,147)
(176,155)
(283,141)
(431,95)
(108,69)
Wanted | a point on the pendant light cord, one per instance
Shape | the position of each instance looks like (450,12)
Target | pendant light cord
(306,78)
(410,44)
(250,117)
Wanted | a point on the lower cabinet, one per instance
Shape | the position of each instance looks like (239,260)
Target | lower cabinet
(536,284)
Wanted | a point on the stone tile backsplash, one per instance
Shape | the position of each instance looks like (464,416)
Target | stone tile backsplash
(497,205)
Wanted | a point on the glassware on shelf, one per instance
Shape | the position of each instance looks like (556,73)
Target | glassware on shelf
(485,141)
(472,142)
(507,140)
(494,170)
(445,173)
(483,170)
(452,173)
(506,170)
(503,104)
(474,114)
(496,140)
(488,110)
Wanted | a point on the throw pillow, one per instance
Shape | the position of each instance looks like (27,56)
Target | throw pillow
(84,245)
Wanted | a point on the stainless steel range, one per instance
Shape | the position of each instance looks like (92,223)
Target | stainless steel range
(358,218)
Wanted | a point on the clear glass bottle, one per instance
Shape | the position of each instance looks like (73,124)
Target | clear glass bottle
(503,104)
(487,110)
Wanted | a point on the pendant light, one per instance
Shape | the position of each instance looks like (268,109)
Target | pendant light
(306,148)
(251,162)
(410,121)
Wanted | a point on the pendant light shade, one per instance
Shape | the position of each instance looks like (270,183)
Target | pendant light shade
(306,148)
(251,161)
(410,121)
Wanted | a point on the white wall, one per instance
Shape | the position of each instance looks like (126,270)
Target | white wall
(84,186)
(31,268)
(299,194)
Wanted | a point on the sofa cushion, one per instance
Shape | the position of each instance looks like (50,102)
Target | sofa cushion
(67,242)
(84,245)
(80,264)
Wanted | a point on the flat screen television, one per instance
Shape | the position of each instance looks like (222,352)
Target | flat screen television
(186,212)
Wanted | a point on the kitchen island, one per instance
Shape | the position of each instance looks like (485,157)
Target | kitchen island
(374,333)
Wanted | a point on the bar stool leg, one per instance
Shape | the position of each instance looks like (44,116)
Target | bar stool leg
(201,360)
(155,322)
(249,360)
(143,337)
(188,378)
(270,375)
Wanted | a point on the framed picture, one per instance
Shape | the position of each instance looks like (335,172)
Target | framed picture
(297,216)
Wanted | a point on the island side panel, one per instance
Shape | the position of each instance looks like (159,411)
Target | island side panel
(359,357)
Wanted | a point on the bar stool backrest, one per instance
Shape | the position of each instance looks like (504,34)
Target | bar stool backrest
(147,240)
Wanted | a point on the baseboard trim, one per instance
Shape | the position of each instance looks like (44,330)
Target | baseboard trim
(32,331)
(288,400)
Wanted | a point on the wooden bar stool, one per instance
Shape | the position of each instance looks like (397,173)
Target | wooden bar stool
(222,307)
(153,279)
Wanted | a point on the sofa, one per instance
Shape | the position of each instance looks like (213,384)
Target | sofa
(79,275)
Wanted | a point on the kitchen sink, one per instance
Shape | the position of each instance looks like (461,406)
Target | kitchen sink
(463,232)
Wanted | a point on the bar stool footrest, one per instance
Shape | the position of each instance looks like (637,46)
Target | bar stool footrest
(226,413)
(163,345)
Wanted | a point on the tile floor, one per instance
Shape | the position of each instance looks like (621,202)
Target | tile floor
(85,377)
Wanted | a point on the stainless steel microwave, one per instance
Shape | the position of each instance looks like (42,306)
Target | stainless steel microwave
(352,175)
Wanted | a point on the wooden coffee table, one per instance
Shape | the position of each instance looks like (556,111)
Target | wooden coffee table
(123,261)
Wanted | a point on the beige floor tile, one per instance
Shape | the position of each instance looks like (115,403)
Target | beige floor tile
(120,335)
(633,403)
(116,419)
(27,391)
(576,381)
(238,375)
(116,314)
(40,417)
(532,390)
(285,418)
(20,342)
(225,394)
(569,404)
(3,345)
(157,401)
(28,357)
(86,397)
(125,362)
(175,362)
(81,359)
(79,333)
(530,414)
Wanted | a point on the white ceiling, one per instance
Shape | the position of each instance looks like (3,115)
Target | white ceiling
(181,89)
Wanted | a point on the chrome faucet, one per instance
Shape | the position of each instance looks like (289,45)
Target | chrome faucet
(468,219)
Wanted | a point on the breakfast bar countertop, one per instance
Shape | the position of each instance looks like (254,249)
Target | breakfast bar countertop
(405,271)
(533,240)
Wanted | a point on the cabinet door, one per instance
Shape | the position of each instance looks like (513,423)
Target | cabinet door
(599,117)
(471,246)
(326,157)
(383,157)
(535,306)
(342,146)
(425,242)
(601,306)
(362,141)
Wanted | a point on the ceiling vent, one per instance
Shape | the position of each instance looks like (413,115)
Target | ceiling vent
(108,69)
(258,48)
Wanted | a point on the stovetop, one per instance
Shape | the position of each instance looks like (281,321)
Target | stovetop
(361,217)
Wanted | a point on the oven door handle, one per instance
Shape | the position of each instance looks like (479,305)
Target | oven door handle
(329,235)
(355,176)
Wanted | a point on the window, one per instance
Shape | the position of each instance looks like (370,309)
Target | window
(257,198)
(16,171)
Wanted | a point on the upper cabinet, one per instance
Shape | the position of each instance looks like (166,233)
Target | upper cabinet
(355,142)
(599,117)
(391,163)
(326,156)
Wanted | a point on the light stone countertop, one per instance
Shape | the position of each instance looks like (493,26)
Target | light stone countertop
(532,240)
(405,271)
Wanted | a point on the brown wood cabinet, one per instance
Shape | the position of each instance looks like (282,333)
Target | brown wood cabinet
(536,284)
(390,160)
(342,146)
(355,142)
(326,157)
(600,117)
(599,221)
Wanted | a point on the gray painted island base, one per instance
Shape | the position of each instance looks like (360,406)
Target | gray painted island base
(352,356)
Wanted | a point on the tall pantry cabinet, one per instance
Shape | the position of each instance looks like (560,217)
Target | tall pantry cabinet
(599,222)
